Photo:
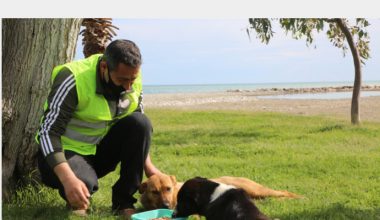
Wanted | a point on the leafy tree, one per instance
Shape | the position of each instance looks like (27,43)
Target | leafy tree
(31,48)
(338,32)
(45,43)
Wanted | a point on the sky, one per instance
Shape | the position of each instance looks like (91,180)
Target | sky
(219,51)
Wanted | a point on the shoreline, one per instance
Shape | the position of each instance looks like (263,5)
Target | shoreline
(244,100)
(286,91)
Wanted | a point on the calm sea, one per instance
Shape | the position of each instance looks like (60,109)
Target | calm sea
(159,89)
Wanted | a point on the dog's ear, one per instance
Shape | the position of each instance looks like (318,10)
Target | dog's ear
(197,198)
(142,187)
(174,180)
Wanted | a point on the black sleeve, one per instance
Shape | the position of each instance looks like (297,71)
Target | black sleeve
(62,102)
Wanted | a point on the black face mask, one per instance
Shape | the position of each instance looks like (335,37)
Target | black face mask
(116,90)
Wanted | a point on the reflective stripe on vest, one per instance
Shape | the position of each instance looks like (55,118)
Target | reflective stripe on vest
(81,137)
(84,124)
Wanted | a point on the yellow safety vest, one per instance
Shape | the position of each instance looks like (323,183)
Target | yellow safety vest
(92,119)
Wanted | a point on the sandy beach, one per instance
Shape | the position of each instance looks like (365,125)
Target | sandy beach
(249,101)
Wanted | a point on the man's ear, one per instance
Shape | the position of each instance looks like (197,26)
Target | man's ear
(104,70)
(103,65)
(174,180)
(142,187)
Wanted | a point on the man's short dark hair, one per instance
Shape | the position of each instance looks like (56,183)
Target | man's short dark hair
(122,51)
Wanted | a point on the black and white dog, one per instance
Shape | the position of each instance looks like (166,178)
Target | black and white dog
(215,201)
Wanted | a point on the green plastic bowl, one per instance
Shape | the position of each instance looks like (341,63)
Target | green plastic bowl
(157,213)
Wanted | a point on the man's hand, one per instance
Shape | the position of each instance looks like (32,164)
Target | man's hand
(76,191)
(149,168)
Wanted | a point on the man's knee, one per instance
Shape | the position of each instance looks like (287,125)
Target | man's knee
(138,122)
(91,183)
(83,170)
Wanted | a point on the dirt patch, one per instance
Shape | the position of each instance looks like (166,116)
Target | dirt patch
(248,101)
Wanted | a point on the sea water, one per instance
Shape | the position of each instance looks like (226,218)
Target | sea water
(159,89)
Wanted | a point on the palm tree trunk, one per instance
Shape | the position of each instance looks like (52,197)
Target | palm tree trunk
(355,113)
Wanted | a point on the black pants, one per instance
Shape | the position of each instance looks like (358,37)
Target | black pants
(127,142)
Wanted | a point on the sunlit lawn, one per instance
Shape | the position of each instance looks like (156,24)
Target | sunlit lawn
(335,165)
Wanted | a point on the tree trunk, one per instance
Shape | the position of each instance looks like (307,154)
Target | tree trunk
(31,48)
(355,113)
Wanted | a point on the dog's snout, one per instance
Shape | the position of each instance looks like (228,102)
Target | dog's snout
(165,205)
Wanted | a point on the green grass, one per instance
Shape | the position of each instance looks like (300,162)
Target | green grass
(335,165)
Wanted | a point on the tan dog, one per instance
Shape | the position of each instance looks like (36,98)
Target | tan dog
(160,191)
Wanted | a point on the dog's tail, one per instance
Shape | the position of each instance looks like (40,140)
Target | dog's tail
(265,192)
(284,193)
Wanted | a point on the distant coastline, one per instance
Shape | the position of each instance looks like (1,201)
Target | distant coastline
(285,91)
